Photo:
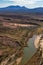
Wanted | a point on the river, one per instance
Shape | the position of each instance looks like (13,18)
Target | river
(28,51)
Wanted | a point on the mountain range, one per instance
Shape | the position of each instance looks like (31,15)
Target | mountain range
(23,9)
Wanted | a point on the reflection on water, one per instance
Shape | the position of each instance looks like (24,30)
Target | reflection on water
(28,51)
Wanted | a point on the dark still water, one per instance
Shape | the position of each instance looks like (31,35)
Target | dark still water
(28,51)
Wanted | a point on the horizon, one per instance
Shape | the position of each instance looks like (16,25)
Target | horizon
(26,3)
(19,6)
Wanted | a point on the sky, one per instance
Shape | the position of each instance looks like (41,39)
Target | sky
(26,3)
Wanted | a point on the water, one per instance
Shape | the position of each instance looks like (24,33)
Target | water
(28,51)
